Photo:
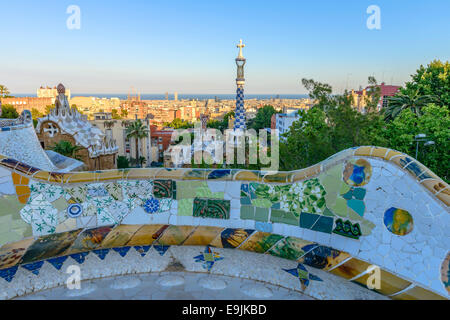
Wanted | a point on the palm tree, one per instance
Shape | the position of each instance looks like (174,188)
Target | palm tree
(3,90)
(66,148)
(137,130)
(401,101)
(109,124)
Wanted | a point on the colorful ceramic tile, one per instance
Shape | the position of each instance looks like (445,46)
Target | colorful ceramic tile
(151,205)
(89,239)
(281,216)
(119,236)
(57,262)
(398,221)
(303,275)
(122,251)
(208,258)
(262,214)
(146,235)
(260,242)
(101,253)
(351,268)
(33,267)
(50,246)
(8,273)
(142,250)
(203,235)
(389,283)
(263,226)
(289,248)
(222,174)
(357,172)
(79,257)
(316,222)
(161,249)
(231,238)
(10,254)
(211,208)
(247,212)
(322,257)
(347,229)
(418,293)
(175,235)
(164,189)
(357,206)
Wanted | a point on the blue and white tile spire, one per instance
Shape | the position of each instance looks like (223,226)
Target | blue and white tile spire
(239,121)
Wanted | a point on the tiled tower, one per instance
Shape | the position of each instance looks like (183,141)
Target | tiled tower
(239,121)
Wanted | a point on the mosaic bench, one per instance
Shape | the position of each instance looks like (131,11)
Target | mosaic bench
(361,207)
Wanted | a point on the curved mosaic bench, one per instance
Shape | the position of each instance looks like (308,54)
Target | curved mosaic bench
(361,207)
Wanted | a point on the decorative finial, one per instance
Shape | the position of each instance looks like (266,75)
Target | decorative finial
(240,46)
(61,89)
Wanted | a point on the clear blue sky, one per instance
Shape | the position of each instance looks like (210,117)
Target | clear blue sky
(189,46)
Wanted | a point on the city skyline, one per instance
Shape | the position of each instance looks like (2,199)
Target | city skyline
(159,47)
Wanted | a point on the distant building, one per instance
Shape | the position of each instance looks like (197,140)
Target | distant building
(283,121)
(97,150)
(48,92)
(360,98)
(28,103)
(175,96)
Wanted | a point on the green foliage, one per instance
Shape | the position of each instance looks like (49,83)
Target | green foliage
(124,113)
(179,124)
(48,108)
(411,100)
(4,90)
(35,113)
(122,162)
(435,123)
(221,125)
(115,114)
(66,148)
(263,118)
(9,112)
(137,130)
(433,80)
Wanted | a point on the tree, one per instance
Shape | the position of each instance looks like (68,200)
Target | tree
(115,114)
(49,108)
(328,127)
(9,112)
(432,80)
(4,90)
(122,162)
(35,113)
(263,118)
(137,130)
(321,92)
(408,100)
(179,124)
(109,124)
(435,123)
(124,113)
(66,148)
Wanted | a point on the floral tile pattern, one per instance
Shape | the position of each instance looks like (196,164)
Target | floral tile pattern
(211,208)
(208,257)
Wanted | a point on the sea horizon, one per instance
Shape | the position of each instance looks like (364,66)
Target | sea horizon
(199,96)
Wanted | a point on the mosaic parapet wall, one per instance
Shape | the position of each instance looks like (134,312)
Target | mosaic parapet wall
(364,206)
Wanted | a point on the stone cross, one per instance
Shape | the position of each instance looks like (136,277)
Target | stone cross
(240,46)
(52,130)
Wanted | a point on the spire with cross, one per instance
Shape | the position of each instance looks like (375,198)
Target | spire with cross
(240,46)
(239,121)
